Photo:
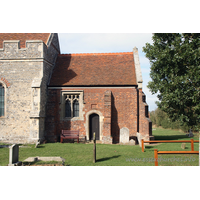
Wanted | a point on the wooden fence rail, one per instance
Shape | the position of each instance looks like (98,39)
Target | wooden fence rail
(170,141)
(156,152)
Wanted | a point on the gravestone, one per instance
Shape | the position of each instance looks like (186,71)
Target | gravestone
(139,137)
(14,155)
(183,145)
(37,143)
(132,142)
(45,159)
(124,135)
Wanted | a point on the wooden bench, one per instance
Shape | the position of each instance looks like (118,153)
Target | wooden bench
(68,134)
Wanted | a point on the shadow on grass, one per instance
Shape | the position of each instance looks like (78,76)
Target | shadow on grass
(150,147)
(28,163)
(107,158)
(171,137)
(42,163)
(38,147)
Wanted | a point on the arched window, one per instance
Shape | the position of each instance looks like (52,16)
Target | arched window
(72,105)
(67,108)
(2,94)
(75,108)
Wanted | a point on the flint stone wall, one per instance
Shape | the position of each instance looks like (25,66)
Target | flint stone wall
(25,74)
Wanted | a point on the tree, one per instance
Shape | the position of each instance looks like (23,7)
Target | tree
(175,74)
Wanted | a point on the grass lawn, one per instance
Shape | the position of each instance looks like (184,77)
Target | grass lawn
(113,155)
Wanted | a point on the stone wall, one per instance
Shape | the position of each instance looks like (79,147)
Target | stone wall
(25,72)
(144,124)
(15,125)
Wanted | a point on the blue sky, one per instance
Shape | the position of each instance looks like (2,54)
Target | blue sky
(111,42)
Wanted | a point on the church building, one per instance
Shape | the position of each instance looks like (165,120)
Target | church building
(43,92)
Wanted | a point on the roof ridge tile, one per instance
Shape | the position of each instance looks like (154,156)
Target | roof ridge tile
(93,54)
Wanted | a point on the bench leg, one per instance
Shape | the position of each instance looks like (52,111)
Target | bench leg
(78,140)
(61,140)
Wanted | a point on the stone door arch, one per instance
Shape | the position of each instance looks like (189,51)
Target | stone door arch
(87,123)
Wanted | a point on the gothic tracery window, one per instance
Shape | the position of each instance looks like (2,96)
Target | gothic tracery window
(72,105)
(2,92)
(68,108)
(75,108)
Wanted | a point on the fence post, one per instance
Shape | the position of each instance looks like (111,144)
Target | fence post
(156,157)
(94,148)
(192,145)
(142,140)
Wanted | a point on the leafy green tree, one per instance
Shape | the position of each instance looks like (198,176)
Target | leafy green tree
(175,74)
(153,117)
(160,118)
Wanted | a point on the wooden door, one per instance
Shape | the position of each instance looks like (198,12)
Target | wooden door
(94,126)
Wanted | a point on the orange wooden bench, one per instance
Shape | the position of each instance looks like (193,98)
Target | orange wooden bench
(68,134)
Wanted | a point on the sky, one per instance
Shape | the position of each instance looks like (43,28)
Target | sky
(111,42)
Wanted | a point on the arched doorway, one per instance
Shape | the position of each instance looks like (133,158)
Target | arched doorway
(94,126)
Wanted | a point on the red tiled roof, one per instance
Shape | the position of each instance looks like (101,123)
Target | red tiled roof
(23,37)
(94,69)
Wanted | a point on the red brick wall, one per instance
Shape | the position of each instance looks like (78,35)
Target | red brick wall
(107,113)
(145,124)
(123,111)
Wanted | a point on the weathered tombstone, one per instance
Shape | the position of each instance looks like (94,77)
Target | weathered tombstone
(183,145)
(34,159)
(14,155)
(124,135)
(132,142)
(139,137)
(37,143)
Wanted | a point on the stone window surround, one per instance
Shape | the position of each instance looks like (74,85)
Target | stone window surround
(63,93)
(5,99)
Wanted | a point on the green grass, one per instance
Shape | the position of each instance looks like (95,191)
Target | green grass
(174,159)
(113,155)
